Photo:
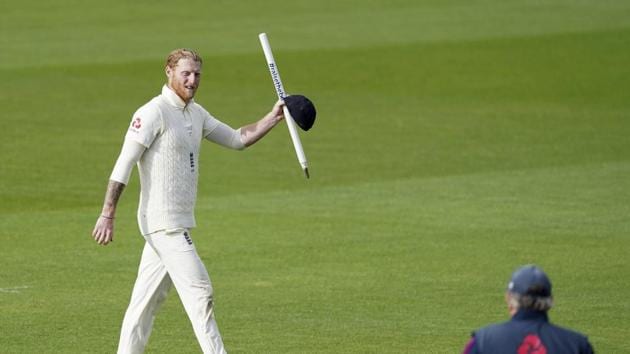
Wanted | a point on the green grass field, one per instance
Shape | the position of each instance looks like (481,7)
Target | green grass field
(455,141)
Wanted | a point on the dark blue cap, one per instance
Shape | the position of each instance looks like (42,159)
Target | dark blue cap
(302,110)
(530,280)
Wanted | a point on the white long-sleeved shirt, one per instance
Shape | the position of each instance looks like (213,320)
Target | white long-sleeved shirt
(171,132)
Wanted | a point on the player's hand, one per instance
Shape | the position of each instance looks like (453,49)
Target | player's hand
(276,112)
(103,231)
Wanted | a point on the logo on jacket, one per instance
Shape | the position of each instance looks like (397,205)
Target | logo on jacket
(137,123)
(532,345)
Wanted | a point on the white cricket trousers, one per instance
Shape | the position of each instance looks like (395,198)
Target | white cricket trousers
(170,258)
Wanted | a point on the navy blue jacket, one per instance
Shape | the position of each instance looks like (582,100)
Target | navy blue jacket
(528,332)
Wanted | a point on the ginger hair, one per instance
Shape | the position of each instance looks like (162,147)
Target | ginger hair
(182,53)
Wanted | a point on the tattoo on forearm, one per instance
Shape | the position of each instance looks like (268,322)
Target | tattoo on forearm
(114,190)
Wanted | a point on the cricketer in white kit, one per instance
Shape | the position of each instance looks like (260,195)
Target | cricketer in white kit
(163,140)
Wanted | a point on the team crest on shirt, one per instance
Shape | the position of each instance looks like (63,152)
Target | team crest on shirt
(136,124)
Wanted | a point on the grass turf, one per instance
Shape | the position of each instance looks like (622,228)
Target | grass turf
(454,142)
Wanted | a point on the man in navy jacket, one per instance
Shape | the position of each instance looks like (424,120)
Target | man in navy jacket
(529,331)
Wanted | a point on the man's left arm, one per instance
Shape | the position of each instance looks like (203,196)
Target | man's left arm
(247,135)
(251,133)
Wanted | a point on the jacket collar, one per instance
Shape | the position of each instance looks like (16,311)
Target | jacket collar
(173,99)
(530,315)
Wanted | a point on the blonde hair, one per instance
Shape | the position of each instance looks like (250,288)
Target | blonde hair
(182,53)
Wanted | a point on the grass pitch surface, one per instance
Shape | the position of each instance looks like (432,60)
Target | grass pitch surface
(455,141)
